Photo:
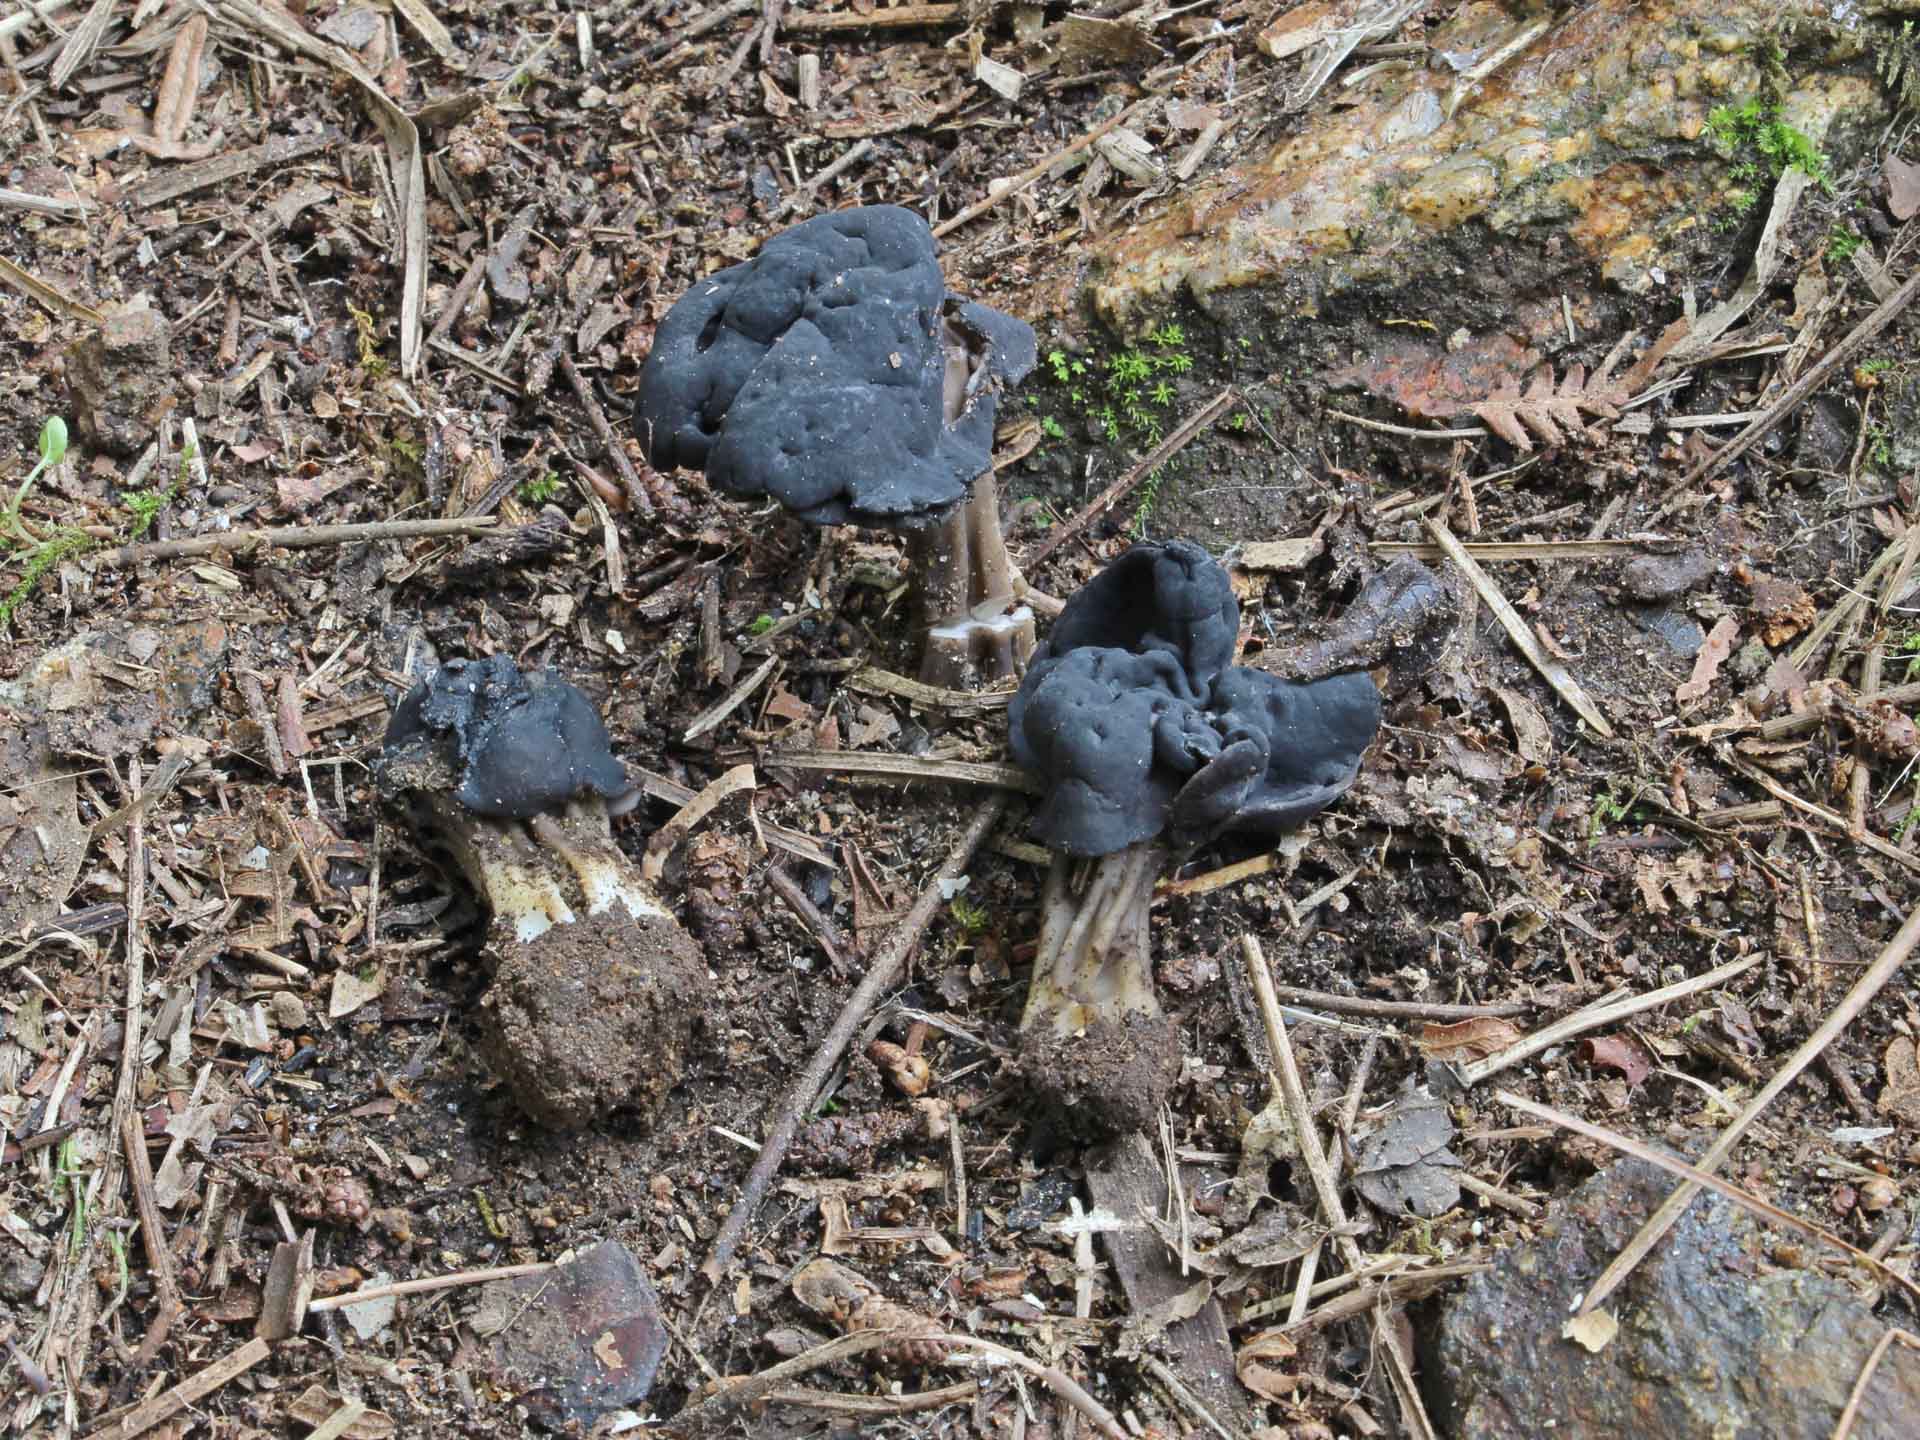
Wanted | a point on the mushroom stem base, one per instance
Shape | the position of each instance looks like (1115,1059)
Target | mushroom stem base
(968,590)
(1094,1044)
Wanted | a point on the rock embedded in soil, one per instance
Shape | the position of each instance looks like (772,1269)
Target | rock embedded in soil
(1713,1339)
(119,377)
(586,1337)
(1595,132)
(1662,577)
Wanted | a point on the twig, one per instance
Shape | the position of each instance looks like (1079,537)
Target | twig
(1033,172)
(609,442)
(802,847)
(892,17)
(877,1405)
(1494,1195)
(1833,820)
(1395,1009)
(1180,1391)
(711,717)
(1556,674)
(1153,460)
(1491,551)
(712,20)
(660,844)
(1606,1012)
(149,1413)
(824,933)
(1844,1427)
(1413,1411)
(1885,966)
(1412,432)
(907,767)
(40,204)
(882,974)
(457,301)
(290,537)
(1816,376)
(855,154)
(1394,1288)
(873,681)
(1626,1145)
(1326,1184)
(426,1286)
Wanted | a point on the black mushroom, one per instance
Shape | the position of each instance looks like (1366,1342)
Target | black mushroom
(596,988)
(837,374)
(1151,742)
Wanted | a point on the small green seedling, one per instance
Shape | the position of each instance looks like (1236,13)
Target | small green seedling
(541,490)
(53,449)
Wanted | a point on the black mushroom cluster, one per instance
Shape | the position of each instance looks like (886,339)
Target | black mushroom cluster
(1151,742)
(837,374)
(511,779)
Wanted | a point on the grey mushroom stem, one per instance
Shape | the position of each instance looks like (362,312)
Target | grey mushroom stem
(970,595)
(1095,960)
(969,591)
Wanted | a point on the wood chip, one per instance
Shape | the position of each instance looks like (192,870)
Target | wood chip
(159,188)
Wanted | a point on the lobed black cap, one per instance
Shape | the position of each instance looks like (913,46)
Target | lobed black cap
(816,373)
(1132,714)
(520,744)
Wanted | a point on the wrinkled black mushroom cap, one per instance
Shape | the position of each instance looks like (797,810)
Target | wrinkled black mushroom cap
(521,744)
(815,373)
(1142,729)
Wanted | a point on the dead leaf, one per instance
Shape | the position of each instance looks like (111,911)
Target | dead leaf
(1403,1164)
(785,705)
(350,992)
(316,1405)
(1107,42)
(1592,1332)
(1551,411)
(1281,554)
(1618,1052)
(1687,879)
(1467,1040)
(1532,736)
(1783,607)
(1903,188)
(1706,665)
(1255,1362)
(1901,1098)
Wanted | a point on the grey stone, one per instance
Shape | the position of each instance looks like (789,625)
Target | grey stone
(1713,1339)
(118,374)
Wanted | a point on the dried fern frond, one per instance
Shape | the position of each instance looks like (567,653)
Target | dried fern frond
(1553,413)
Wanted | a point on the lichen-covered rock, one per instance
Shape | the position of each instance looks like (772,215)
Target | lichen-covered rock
(1713,1338)
(1596,130)
(118,376)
